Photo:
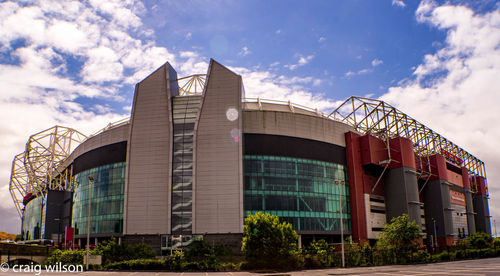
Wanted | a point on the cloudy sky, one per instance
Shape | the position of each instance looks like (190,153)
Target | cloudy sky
(74,63)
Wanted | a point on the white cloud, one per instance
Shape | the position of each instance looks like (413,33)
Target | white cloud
(192,64)
(462,102)
(364,71)
(267,85)
(244,51)
(278,31)
(101,109)
(106,37)
(350,73)
(274,64)
(189,35)
(103,64)
(398,3)
(377,62)
(303,60)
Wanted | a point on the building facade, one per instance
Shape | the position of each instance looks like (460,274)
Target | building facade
(193,165)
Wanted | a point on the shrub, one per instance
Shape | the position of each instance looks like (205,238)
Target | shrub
(444,256)
(384,256)
(230,266)
(479,240)
(138,264)
(65,257)
(199,249)
(222,250)
(113,252)
(366,255)
(461,245)
(267,243)
(352,255)
(318,254)
(496,242)
(421,256)
(174,262)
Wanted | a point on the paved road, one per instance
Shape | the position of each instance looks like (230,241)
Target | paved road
(470,267)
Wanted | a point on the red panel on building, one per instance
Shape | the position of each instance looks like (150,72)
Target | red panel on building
(356,194)
(465,178)
(369,182)
(455,178)
(402,153)
(481,185)
(438,167)
(373,150)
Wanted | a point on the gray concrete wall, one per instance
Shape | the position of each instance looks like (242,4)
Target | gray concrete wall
(147,184)
(401,194)
(482,219)
(438,206)
(218,182)
(471,224)
(294,124)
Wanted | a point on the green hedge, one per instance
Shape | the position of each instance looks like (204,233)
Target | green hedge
(66,257)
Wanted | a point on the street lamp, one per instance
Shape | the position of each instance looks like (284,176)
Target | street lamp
(435,234)
(495,223)
(58,233)
(341,223)
(91,182)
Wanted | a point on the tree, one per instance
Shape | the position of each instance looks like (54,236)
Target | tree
(269,243)
(400,237)
(480,240)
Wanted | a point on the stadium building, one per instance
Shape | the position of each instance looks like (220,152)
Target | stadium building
(196,157)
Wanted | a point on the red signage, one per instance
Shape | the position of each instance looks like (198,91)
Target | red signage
(27,198)
(69,236)
(451,156)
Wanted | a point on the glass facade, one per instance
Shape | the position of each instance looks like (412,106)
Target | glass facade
(185,111)
(32,217)
(106,210)
(300,191)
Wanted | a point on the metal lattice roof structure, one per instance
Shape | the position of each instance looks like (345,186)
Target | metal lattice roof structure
(382,120)
(192,85)
(34,170)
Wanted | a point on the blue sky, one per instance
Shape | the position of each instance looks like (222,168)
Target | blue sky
(340,36)
(75,63)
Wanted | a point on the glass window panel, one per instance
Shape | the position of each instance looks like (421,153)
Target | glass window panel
(304,191)
(106,203)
